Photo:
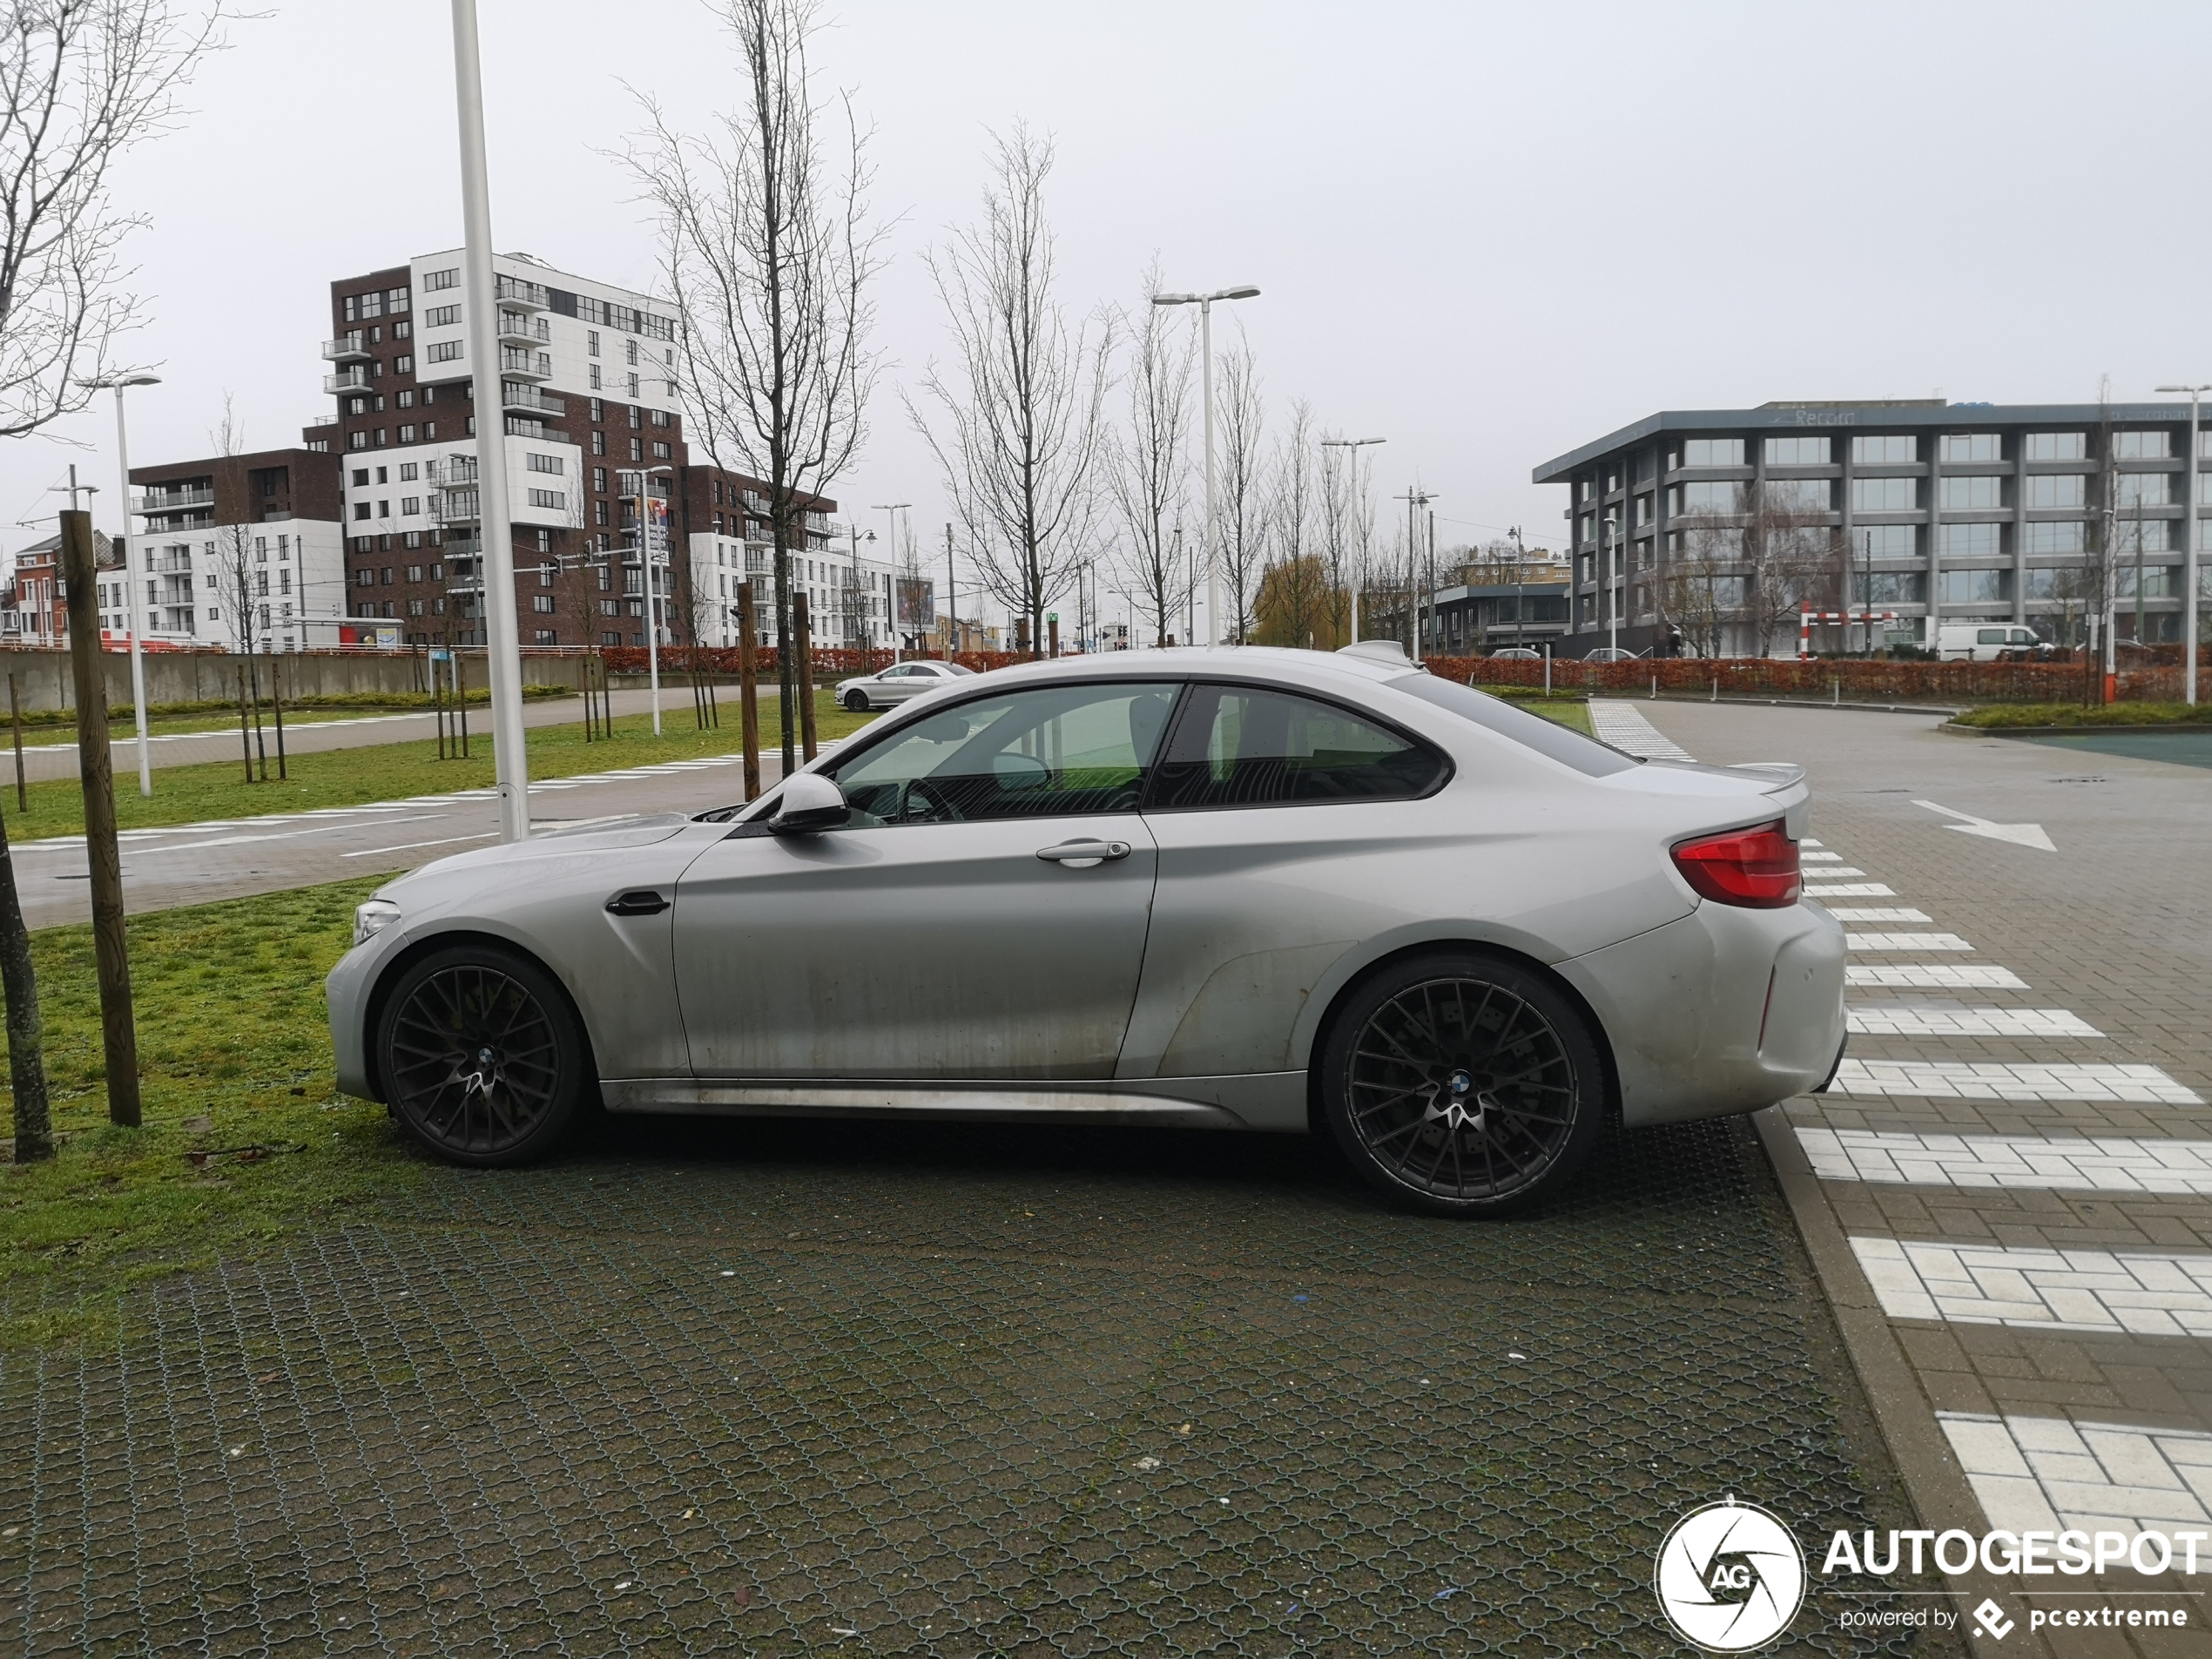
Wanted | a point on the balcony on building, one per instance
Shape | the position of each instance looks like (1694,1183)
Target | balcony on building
(347,380)
(190,498)
(518,325)
(527,295)
(518,397)
(524,364)
(347,349)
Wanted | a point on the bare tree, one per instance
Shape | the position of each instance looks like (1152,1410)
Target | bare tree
(1242,499)
(1148,468)
(1022,434)
(1790,560)
(81,82)
(769,258)
(1295,605)
(1699,587)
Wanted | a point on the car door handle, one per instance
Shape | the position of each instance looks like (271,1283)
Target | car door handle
(1081,855)
(638,902)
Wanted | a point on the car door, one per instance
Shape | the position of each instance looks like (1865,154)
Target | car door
(902,681)
(1289,830)
(982,915)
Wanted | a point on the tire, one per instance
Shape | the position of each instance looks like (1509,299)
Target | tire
(458,1012)
(1459,1083)
(857,701)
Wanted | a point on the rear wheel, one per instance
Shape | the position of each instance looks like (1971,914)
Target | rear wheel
(857,700)
(1463,1085)
(481,1057)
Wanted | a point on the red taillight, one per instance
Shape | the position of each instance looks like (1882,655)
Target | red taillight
(1756,867)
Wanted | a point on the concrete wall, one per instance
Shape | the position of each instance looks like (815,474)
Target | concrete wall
(42,676)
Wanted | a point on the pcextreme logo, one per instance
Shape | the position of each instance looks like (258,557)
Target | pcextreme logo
(1730,1577)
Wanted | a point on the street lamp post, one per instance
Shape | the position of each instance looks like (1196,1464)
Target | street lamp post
(890,605)
(1612,612)
(1205,302)
(1355,445)
(1520,589)
(134,601)
(647,574)
(502,630)
(2192,544)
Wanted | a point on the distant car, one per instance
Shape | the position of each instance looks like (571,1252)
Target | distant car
(1245,888)
(1517,654)
(1611,654)
(896,684)
(1987,643)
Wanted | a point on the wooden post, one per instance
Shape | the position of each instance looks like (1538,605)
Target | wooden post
(461,699)
(276,698)
(438,705)
(26,1030)
(802,626)
(109,945)
(749,689)
(245,734)
(15,714)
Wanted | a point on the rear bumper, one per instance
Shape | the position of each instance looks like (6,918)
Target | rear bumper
(1726,1010)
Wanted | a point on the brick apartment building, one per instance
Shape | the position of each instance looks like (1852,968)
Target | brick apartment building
(242,549)
(585,379)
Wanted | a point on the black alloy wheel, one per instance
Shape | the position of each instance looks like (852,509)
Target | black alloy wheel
(481,1057)
(1463,1085)
(857,700)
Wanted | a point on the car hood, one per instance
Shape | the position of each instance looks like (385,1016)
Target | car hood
(517,857)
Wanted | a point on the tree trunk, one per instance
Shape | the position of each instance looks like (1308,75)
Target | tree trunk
(26,1031)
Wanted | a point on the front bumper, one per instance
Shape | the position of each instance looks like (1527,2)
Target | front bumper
(1726,1010)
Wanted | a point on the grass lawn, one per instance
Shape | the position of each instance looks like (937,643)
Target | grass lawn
(1576,715)
(390,772)
(1997,716)
(233,1053)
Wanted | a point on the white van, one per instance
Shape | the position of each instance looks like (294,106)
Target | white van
(1973,641)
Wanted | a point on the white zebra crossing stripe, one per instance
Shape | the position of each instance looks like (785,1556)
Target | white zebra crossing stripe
(1993,1080)
(1906,941)
(1623,728)
(2146,1294)
(1933,976)
(1876,913)
(2078,1163)
(1899,1020)
(1851,890)
(2048,1474)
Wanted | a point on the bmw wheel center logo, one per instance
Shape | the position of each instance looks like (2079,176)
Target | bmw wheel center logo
(1730,1577)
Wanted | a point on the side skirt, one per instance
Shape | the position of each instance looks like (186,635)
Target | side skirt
(1267,1100)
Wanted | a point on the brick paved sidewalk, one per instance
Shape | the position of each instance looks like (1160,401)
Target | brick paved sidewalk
(2020,1152)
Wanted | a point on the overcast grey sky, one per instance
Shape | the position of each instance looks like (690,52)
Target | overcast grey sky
(1487,233)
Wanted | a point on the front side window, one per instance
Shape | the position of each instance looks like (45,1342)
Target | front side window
(1046,754)
(1238,746)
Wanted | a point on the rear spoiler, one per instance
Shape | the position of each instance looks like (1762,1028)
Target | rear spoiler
(1784,772)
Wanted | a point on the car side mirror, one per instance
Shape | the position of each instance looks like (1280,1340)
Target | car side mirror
(811,803)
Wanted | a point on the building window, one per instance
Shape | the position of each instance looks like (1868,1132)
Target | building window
(598,443)
(434,281)
(407,435)
(1973,446)
(386,574)
(442,316)
(2144,535)
(636,417)
(357,440)
(414,573)
(403,365)
(2057,490)
(2142,446)
(543,604)
(1973,493)
(1885,494)
(2143,489)
(660,450)
(361,510)
(2058,446)
(1799,495)
(552,500)
(1977,587)
(2062,536)
(380,435)
(637,448)
(598,411)
(429,431)
(445,350)
(594,382)
(633,387)
(661,417)
(1709,452)
(1886,542)
(1970,541)
(1797,452)
(599,513)
(599,479)
(545,573)
(410,506)
(536,462)
(1890,588)
(1687,500)
(1884,448)
(405,398)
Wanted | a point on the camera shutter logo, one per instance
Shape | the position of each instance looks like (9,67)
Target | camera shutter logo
(1730,1577)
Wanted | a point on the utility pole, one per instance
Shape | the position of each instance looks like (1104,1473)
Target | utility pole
(2192,542)
(891,637)
(1205,302)
(952,601)
(1355,445)
(1520,589)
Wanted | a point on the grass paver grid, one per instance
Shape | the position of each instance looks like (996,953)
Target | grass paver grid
(787,1380)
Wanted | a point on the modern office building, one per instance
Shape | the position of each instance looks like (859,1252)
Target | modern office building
(242,547)
(584,374)
(1725,522)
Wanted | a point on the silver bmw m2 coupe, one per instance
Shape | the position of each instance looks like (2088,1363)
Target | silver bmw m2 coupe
(1241,889)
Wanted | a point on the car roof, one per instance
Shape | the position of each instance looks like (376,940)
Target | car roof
(1313,669)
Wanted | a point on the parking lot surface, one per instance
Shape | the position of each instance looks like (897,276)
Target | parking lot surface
(802,1388)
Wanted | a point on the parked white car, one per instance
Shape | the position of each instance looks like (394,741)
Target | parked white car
(1976,642)
(1242,889)
(896,684)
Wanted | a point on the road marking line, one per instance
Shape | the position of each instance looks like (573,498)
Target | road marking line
(2101,1163)
(1896,1020)
(1997,1080)
(1933,976)
(409,846)
(2017,834)
(1879,914)
(1841,872)
(1621,726)
(1819,858)
(1904,941)
(2145,1293)
(1851,890)
(2050,1475)
(241,840)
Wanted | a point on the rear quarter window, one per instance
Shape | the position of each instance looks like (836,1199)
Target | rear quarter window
(1547,737)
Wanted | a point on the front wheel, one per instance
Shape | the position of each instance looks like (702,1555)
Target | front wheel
(857,701)
(1463,1085)
(481,1056)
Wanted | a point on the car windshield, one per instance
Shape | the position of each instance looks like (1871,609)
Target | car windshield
(1547,738)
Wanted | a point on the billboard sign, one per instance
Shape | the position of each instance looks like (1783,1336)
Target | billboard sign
(917,603)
